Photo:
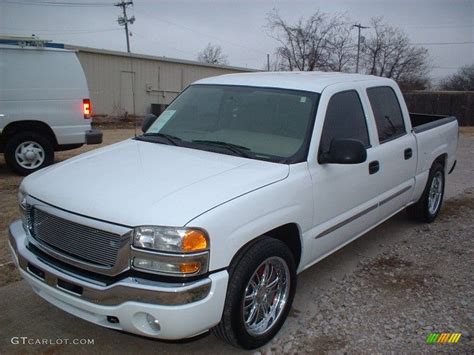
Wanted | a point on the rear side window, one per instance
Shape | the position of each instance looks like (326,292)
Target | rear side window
(387,113)
(344,119)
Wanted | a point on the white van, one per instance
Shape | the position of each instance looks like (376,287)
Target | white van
(44,104)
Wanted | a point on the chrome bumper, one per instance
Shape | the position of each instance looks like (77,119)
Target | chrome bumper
(128,289)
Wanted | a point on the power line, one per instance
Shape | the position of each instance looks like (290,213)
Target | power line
(441,43)
(161,43)
(438,26)
(450,68)
(193,30)
(61,32)
(58,4)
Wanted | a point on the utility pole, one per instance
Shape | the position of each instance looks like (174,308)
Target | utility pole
(124,20)
(268,62)
(359,26)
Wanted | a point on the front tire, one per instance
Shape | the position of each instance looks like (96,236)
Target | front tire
(428,206)
(27,152)
(261,289)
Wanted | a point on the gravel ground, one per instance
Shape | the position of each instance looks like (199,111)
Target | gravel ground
(392,302)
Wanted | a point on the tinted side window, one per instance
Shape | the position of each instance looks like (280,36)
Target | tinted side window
(387,113)
(344,119)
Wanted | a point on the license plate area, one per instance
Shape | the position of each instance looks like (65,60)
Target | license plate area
(70,287)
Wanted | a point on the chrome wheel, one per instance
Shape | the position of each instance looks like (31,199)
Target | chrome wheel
(435,193)
(266,295)
(29,155)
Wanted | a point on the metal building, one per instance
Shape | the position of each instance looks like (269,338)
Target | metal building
(128,84)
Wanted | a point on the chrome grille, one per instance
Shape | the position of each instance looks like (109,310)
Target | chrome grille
(73,239)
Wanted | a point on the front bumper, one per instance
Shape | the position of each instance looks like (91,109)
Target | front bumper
(94,136)
(182,310)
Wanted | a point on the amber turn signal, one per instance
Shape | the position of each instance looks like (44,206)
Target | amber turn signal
(194,240)
(189,268)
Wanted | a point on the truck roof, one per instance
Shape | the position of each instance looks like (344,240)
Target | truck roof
(307,81)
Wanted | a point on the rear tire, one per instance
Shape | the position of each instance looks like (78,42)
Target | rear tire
(27,152)
(428,206)
(262,284)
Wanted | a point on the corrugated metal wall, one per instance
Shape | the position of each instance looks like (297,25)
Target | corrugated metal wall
(109,78)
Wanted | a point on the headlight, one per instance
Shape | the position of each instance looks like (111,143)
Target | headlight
(172,264)
(22,199)
(170,251)
(23,209)
(175,240)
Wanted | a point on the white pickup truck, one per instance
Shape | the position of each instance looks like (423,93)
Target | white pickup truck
(204,221)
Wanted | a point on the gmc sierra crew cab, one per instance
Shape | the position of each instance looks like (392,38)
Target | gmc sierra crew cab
(245,180)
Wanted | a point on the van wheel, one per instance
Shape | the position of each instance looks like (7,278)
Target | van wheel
(27,152)
(261,288)
(429,205)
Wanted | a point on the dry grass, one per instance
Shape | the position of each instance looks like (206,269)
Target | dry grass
(467,131)
(9,211)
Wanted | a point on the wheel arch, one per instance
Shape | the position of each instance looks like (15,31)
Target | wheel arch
(288,233)
(442,159)
(37,127)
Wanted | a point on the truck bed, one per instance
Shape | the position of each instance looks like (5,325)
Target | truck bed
(435,135)
(422,121)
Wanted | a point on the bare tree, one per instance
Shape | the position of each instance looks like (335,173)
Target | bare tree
(276,64)
(342,49)
(212,54)
(324,42)
(463,80)
(305,45)
(388,53)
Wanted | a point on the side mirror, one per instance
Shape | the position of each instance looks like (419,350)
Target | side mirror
(344,151)
(148,121)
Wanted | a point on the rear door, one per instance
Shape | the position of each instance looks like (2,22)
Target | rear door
(396,146)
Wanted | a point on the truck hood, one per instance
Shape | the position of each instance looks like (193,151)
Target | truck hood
(140,183)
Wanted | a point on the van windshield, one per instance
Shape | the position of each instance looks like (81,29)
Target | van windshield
(258,123)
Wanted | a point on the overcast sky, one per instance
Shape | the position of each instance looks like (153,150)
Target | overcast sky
(181,28)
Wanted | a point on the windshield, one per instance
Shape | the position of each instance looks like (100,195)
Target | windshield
(258,123)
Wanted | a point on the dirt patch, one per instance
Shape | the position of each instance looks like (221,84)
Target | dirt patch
(384,262)
(323,344)
(394,274)
(124,122)
(9,273)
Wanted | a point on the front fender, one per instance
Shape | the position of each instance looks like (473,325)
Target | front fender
(237,222)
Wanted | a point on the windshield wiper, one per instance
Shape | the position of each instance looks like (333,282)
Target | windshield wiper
(235,148)
(170,138)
